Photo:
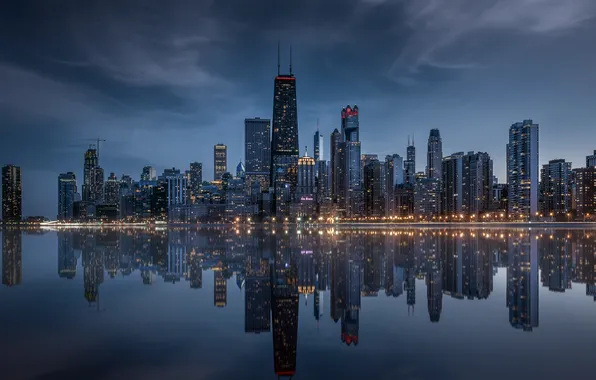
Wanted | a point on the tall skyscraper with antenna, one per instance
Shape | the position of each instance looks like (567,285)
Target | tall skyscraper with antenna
(284,139)
(410,164)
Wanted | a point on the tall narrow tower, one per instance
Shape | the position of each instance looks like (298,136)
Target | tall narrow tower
(284,140)
(435,155)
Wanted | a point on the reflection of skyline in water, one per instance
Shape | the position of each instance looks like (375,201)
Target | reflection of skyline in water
(273,270)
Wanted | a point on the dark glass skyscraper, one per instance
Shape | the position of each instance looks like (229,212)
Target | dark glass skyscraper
(91,162)
(410,165)
(334,142)
(11,194)
(195,179)
(67,187)
(284,141)
(435,155)
(522,170)
(257,151)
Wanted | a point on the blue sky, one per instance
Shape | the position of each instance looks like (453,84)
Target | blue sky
(163,82)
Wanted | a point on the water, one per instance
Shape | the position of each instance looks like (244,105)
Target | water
(228,304)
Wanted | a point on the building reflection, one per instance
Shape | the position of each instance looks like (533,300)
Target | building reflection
(522,281)
(352,268)
(12,264)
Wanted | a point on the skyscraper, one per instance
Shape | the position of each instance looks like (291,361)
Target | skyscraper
(96,188)
(410,165)
(112,190)
(452,182)
(257,151)
(91,162)
(195,179)
(477,183)
(374,197)
(284,140)
(334,146)
(555,187)
(352,185)
(322,181)
(434,155)
(318,146)
(220,161)
(177,190)
(522,170)
(67,187)
(427,198)
(585,179)
(306,177)
(11,194)
(149,174)
(591,160)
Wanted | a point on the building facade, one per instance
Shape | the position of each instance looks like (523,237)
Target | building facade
(585,180)
(522,170)
(220,161)
(555,187)
(257,152)
(67,188)
(195,179)
(434,155)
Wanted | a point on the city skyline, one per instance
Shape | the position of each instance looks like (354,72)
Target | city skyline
(140,95)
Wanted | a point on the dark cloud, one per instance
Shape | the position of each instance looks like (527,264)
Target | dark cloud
(164,81)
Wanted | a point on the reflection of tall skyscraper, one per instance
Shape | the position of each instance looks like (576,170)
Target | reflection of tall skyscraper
(284,139)
(556,262)
(11,194)
(522,169)
(67,262)
(93,273)
(284,309)
(220,289)
(195,270)
(12,250)
(522,281)
(257,295)
(434,285)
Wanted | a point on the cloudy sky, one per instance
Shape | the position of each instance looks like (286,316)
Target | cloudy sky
(163,82)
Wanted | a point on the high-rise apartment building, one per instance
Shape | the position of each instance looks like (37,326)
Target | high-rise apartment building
(585,180)
(12,197)
(452,182)
(67,188)
(427,198)
(220,161)
(522,170)
(434,155)
(257,152)
(91,162)
(112,190)
(195,179)
(555,187)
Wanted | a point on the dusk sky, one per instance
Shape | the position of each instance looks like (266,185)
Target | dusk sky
(163,82)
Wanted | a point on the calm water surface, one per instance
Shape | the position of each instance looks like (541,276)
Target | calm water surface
(258,304)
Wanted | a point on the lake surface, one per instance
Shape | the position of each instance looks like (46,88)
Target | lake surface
(443,303)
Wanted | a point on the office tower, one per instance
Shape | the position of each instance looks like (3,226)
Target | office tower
(555,187)
(195,179)
(522,170)
(591,160)
(149,174)
(452,182)
(410,165)
(318,146)
(350,127)
(11,194)
(522,281)
(257,152)
(306,176)
(91,163)
(112,190)
(284,140)
(12,252)
(585,180)
(427,196)
(477,183)
(334,145)
(374,196)
(177,186)
(322,181)
(220,161)
(434,155)
(96,188)
(67,188)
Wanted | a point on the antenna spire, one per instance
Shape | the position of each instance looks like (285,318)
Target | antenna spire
(290,60)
